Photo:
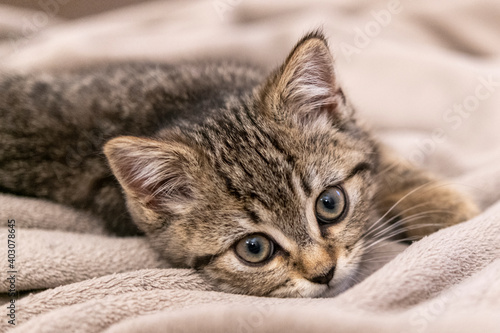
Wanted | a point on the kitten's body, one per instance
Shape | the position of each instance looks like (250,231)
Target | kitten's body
(213,158)
(53,126)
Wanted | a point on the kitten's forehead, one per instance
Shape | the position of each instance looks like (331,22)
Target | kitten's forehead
(254,163)
(271,172)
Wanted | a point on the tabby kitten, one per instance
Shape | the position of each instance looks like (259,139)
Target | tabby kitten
(268,186)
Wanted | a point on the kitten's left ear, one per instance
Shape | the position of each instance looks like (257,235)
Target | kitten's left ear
(305,87)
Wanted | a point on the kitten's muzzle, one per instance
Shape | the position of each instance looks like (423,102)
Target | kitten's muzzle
(324,279)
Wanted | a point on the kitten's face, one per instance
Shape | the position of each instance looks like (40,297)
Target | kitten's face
(272,197)
(291,229)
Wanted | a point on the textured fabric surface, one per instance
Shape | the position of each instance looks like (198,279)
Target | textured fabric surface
(424,75)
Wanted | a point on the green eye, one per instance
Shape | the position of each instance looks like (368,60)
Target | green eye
(254,248)
(330,205)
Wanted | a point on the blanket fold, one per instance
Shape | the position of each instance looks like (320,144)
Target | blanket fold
(48,259)
(453,268)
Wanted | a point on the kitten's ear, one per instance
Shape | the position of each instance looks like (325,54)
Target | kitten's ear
(305,87)
(156,174)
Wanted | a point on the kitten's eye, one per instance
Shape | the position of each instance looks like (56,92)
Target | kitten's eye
(330,205)
(254,248)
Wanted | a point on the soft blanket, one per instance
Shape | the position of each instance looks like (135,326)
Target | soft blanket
(424,75)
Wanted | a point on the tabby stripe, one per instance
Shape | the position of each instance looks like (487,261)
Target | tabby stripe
(257,197)
(207,140)
(254,217)
(289,180)
(262,156)
(201,261)
(242,166)
(359,168)
(272,140)
(305,185)
(229,184)
(238,118)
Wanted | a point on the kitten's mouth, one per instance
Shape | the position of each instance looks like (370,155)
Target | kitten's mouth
(346,275)
(338,287)
(304,288)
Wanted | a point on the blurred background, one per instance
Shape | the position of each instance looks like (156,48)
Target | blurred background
(425,75)
(76,9)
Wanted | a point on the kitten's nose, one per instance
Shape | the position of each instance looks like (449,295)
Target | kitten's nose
(323,279)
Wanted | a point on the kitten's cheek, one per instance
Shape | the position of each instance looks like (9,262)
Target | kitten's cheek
(260,280)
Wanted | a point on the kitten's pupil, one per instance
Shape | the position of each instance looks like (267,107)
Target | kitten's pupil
(253,245)
(328,202)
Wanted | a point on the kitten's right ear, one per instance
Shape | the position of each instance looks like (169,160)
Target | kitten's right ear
(154,173)
(305,87)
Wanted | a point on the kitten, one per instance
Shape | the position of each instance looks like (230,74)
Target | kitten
(268,186)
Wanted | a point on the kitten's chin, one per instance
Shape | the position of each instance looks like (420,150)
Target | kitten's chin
(345,277)
(306,289)
(300,288)
(338,288)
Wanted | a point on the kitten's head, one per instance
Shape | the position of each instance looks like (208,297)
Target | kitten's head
(271,196)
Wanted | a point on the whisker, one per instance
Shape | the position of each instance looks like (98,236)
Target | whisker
(376,260)
(397,232)
(398,224)
(354,278)
(377,245)
(400,231)
(383,253)
(370,230)
(387,169)
(399,201)
(421,187)
(408,218)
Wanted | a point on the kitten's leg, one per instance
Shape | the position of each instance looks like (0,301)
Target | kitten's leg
(417,200)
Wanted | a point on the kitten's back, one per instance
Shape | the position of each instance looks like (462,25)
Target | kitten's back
(53,126)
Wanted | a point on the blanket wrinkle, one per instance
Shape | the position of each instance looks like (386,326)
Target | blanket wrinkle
(48,259)
(413,75)
(113,284)
(42,214)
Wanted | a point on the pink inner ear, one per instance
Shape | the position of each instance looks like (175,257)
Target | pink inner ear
(152,172)
(160,181)
(308,82)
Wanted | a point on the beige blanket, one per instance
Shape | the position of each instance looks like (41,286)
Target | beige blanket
(424,75)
